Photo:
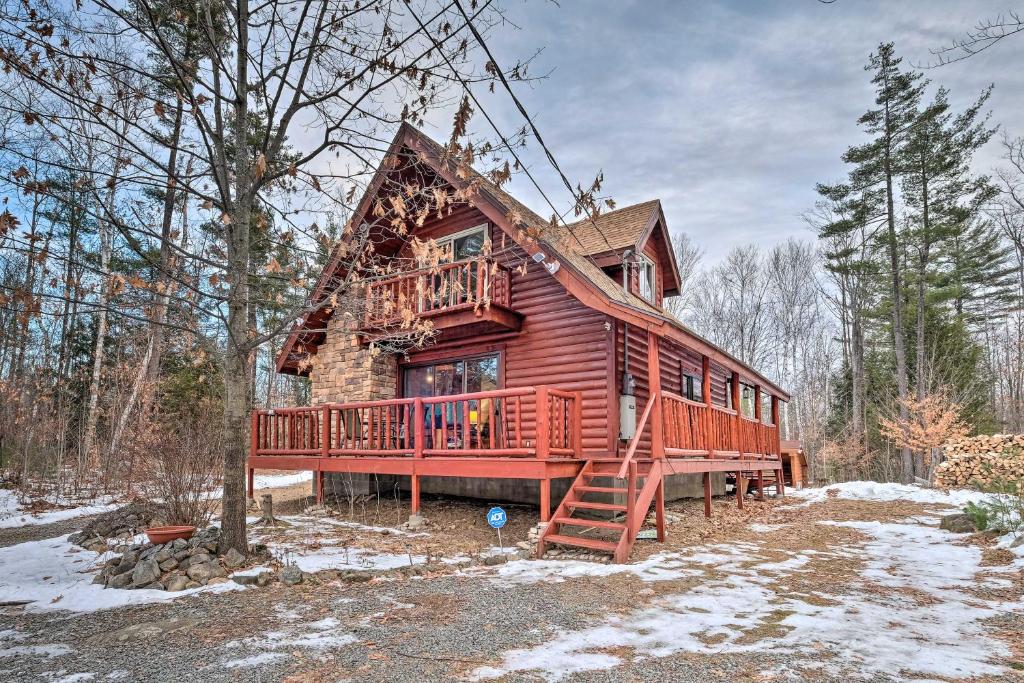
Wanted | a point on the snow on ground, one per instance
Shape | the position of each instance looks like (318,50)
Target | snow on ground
(11,514)
(57,575)
(879,492)
(304,544)
(659,567)
(322,635)
(909,613)
(275,481)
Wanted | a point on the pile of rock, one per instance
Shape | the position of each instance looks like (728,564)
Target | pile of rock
(173,566)
(119,526)
(983,461)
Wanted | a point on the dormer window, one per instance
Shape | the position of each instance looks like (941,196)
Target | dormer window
(647,278)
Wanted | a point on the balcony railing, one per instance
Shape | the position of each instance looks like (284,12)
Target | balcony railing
(695,428)
(536,422)
(471,284)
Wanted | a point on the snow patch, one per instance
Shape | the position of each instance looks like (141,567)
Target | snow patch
(887,492)
(274,481)
(750,610)
(11,514)
(57,575)
(273,645)
(253,660)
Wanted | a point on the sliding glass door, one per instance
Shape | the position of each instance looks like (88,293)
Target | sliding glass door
(446,422)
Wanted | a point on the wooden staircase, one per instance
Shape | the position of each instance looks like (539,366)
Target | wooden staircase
(574,523)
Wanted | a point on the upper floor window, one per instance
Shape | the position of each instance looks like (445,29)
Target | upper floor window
(647,278)
(465,244)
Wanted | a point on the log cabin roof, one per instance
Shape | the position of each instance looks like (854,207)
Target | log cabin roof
(615,230)
(583,277)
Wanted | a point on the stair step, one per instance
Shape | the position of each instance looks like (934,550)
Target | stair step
(598,523)
(581,542)
(587,505)
(600,489)
(613,474)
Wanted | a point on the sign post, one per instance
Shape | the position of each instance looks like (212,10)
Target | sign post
(496,517)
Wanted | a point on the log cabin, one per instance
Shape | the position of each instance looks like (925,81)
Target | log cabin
(554,373)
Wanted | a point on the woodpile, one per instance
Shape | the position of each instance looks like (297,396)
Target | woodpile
(982,461)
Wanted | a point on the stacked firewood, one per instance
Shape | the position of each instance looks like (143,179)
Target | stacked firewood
(982,461)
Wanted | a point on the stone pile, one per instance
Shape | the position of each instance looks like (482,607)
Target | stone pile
(119,526)
(173,566)
(983,461)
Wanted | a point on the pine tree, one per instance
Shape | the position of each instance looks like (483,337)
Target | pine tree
(875,172)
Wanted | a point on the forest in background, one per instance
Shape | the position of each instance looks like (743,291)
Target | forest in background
(898,323)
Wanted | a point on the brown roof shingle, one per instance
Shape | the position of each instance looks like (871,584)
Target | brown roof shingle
(615,230)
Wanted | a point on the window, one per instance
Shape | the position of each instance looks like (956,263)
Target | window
(693,387)
(465,244)
(647,278)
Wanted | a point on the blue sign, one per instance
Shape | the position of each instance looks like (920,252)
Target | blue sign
(496,517)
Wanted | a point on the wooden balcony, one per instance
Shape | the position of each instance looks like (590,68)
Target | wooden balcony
(460,299)
(531,422)
(693,428)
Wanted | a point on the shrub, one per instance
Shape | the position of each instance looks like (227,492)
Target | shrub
(182,456)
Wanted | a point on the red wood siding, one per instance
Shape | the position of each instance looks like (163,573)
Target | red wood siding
(562,343)
(638,368)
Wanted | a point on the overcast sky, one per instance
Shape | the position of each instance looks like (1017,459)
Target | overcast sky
(728,112)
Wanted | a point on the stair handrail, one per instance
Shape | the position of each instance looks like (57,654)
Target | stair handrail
(636,437)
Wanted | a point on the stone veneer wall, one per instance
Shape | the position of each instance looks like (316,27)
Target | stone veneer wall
(345,370)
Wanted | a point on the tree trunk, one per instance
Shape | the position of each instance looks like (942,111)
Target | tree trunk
(236,361)
(92,416)
(919,350)
(156,339)
(149,369)
(857,416)
(898,338)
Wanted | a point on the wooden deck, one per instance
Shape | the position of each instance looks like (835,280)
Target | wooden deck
(524,433)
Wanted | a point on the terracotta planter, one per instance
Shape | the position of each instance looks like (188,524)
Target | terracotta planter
(163,534)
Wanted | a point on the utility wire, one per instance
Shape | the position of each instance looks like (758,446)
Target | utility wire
(529,120)
(498,132)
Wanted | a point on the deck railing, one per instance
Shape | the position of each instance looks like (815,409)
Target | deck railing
(525,422)
(467,284)
(695,428)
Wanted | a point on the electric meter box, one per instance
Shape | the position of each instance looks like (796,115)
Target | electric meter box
(627,417)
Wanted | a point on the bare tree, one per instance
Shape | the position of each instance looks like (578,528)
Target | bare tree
(285,109)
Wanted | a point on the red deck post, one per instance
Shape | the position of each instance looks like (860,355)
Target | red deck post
(659,509)
(543,411)
(631,497)
(737,434)
(420,434)
(654,382)
(545,499)
(325,431)
(705,416)
(254,433)
(254,429)
(707,494)
(577,424)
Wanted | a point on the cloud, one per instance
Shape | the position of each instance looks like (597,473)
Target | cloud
(728,113)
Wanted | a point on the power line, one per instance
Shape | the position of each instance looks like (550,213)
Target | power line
(497,131)
(529,120)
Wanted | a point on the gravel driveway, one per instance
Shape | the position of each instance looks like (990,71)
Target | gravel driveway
(471,624)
